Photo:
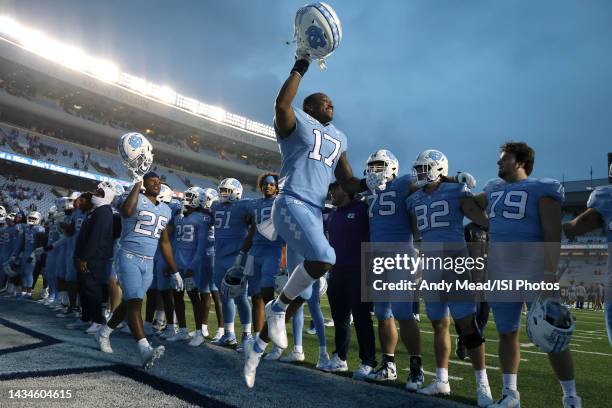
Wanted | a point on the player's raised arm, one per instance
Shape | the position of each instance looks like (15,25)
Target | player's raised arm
(128,206)
(284,119)
(583,223)
(344,175)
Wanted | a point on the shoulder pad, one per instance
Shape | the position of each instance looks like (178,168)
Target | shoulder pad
(600,198)
(493,184)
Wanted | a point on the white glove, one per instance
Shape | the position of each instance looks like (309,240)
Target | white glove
(376,180)
(176,282)
(302,53)
(189,284)
(467,179)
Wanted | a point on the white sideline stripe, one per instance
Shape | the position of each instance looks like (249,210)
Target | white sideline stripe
(495,355)
(450,377)
(464,363)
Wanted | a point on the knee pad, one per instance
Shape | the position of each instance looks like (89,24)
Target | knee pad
(472,340)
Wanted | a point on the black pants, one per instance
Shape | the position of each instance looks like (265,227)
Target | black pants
(344,294)
(92,286)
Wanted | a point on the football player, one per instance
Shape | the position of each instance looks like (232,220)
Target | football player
(523,209)
(313,151)
(17,252)
(231,227)
(190,237)
(597,215)
(4,244)
(33,234)
(144,221)
(58,247)
(49,272)
(207,287)
(437,210)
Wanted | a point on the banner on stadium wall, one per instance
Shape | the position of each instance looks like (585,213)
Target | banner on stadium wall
(60,169)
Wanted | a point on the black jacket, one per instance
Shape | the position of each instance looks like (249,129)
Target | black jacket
(95,240)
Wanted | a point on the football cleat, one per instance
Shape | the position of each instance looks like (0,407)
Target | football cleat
(181,335)
(362,372)
(227,340)
(197,339)
(510,399)
(293,357)
(276,326)
(416,378)
(329,323)
(103,343)
(483,395)
(217,336)
(159,326)
(275,354)
(150,355)
(93,329)
(386,372)
(572,402)
(169,331)
(336,365)
(245,337)
(251,361)
(323,360)
(44,294)
(437,387)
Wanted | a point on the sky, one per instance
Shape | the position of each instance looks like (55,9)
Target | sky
(458,76)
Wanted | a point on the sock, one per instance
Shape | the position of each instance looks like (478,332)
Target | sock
(569,388)
(510,381)
(246,328)
(260,345)
(388,358)
(481,376)
(229,327)
(298,281)
(298,349)
(143,344)
(442,374)
(105,331)
(204,328)
(279,305)
(161,315)
(221,331)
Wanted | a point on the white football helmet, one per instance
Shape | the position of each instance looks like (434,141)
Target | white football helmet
(74,195)
(34,218)
(2,212)
(429,166)
(111,190)
(52,212)
(64,203)
(136,152)
(165,194)
(610,173)
(211,196)
(234,283)
(317,31)
(194,197)
(550,325)
(381,167)
(230,189)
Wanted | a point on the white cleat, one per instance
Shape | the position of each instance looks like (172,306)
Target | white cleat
(275,354)
(336,365)
(510,399)
(93,329)
(293,357)
(150,355)
(217,336)
(484,398)
(103,343)
(181,335)
(276,326)
(323,361)
(416,378)
(362,372)
(169,331)
(437,387)
(251,361)
(244,339)
(572,402)
(197,339)
(386,372)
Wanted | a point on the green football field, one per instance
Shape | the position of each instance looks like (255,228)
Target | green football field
(537,384)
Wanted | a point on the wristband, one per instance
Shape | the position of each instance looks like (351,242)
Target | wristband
(300,66)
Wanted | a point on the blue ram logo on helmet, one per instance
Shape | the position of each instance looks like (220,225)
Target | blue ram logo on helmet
(316,38)
(135,141)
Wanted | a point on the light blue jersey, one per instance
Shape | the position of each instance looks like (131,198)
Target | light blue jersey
(31,236)
(309,158)
(230,226)
(389,220)
(438,214)
(261,210)
(513,208)
(77,217)
(601,200)
(140,232)
(190,238)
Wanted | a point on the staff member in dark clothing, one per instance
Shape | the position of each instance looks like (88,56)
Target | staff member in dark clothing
(93,255)
(347,227)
